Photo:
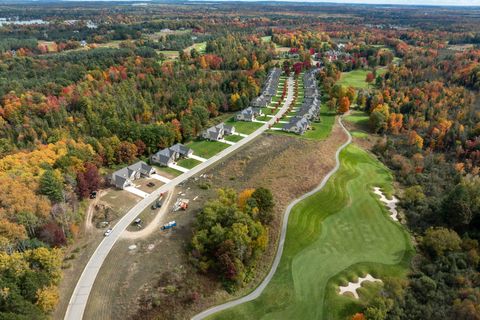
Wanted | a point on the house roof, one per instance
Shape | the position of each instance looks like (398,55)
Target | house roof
(181,149)
(140,166)
(298,122)
(119,177)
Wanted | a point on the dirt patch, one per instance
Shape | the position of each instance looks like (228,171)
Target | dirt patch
(163,277)
(143,184)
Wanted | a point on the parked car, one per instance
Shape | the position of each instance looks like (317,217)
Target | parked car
(108,232)
(137,221)
(150,184)
(93,194)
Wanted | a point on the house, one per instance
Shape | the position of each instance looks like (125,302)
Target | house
(228,130)
(248,114)
(170,155)
(298,125)
(182,150)
(124,177)
(163,157)
(260,102)
(217,132)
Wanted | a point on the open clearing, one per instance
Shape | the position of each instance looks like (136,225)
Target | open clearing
(355,78)
(200,47)
(333,237)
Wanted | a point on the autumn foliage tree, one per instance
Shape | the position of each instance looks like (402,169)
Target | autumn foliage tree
(344,105)
(230,236)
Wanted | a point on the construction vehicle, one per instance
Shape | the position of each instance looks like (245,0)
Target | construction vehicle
(158,203)
(169,225)
(180,204)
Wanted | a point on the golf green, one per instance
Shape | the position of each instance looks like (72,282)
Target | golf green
(334,236)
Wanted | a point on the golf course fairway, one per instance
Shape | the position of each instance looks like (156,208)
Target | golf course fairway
(334,236)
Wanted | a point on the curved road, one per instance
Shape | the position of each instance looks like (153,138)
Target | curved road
(79,298)
(258,291)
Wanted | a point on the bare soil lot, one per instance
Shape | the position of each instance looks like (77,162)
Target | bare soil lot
(157,273)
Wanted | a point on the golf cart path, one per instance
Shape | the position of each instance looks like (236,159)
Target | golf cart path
(258,291)
(153,225)
(79,298)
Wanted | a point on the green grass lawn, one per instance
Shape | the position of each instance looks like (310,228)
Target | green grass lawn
(335,235)
(233,138)
(381,71)
(188,163)
(322,129)
(168,170)
(360,118)
(244,126)
(206,149)
(359,134)
(200,47)
(318,131)
(267,39)
(355,78)
(263,118)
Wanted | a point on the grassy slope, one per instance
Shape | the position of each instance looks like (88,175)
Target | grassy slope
(338,233)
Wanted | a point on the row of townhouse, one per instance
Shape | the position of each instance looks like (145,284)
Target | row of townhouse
(124,177)
(310,108)
(269,89)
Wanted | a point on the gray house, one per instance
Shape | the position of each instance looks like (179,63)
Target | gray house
(181,150)
(170,155)
(261,101)
(298,125)
(217,132)
(248,114)
(124,177)
(163,157)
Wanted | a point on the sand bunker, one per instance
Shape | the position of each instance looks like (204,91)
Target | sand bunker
(353,286)
(391,204)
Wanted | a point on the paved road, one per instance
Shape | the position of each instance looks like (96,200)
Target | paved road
(258,291)
(79,298)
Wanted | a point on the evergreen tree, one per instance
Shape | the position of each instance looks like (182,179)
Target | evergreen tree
(51,186)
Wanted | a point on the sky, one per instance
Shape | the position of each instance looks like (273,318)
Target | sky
(404,2)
